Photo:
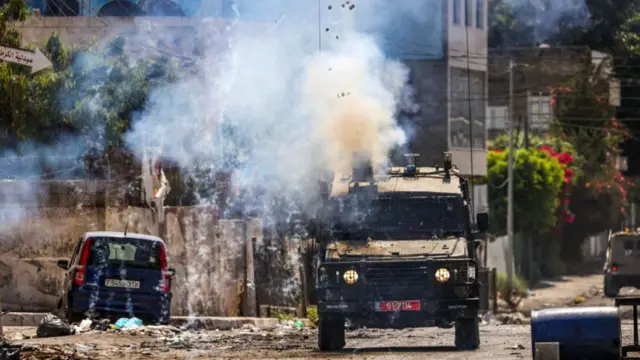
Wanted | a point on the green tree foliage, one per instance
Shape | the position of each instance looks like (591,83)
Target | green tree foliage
(518,23)
(89,93)
(586,119)
(538,180)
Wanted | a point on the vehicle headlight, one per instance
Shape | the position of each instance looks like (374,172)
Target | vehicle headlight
(442,275)
(350,277)
(471,271)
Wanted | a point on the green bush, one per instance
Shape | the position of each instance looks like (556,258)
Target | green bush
(312,315)
(520,289)
(538,181)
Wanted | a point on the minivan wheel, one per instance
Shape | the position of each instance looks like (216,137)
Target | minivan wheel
(467,334)
(609,289)
(72,316)
(331,333)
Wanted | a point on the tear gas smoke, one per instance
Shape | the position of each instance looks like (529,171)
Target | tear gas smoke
(279,112)
(545,16)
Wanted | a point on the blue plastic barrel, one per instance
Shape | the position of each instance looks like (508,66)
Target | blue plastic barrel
(582,332)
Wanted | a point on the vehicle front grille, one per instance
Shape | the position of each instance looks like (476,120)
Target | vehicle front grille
(412,280)
(397,281)
(389,274)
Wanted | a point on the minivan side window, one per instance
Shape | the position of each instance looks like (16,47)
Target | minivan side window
(75,252)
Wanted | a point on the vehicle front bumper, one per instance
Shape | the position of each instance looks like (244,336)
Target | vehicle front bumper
(364,312)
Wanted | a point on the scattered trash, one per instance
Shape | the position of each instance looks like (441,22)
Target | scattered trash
(120,323)
(516,347)
(512,318)
(85,325)
(101,325)
(298,324)
(10,352)
(124,323)
(579,300)
(82,347)
(52,325)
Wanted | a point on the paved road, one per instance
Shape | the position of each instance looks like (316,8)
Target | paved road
(498,342)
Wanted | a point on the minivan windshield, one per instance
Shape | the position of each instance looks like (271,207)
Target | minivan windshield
(127,252)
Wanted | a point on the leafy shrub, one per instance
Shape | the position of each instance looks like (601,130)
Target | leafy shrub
(312,315)
(519,291)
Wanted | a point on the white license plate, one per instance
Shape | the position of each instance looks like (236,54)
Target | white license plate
(128,284)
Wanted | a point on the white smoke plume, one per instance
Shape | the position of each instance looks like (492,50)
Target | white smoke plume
(276,108)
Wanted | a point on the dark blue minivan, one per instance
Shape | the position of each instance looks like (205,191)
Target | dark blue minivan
(117,274)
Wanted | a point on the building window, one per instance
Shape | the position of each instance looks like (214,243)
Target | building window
(456,12)
(468,12)
(468,109)
(540,111)
(480,14)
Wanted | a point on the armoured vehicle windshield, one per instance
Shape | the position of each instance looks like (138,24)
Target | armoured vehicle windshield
(419,217)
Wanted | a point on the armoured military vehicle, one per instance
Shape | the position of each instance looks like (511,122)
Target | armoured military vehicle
(397,250)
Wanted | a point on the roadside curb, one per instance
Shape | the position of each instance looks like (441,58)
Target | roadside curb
(201,322)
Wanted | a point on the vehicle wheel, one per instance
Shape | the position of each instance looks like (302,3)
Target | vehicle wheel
(72,316)
(467,334)
(609,289)
(331,333)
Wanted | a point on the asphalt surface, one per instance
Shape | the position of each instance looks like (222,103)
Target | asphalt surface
(498,342)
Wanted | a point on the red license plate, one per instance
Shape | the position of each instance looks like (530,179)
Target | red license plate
(387,306)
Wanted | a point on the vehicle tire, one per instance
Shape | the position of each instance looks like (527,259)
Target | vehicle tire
(467,334)
(610,290)
(72,316)
(331,333)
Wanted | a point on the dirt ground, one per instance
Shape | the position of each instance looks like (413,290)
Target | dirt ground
(285,342)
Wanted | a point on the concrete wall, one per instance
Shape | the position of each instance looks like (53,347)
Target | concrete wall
(207,253)
(458,34)
(498,253)
(180,35)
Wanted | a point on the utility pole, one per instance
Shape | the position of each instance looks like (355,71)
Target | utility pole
(510,183)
